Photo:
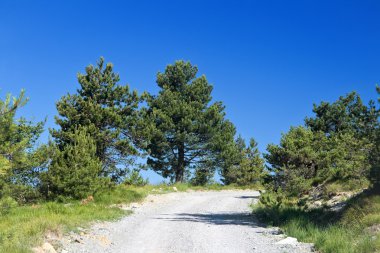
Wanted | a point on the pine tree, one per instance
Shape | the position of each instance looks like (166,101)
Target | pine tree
(11,104)
(305,159)
(375,157)
(347,114)
(108,110)
(232,157)
(185,130)
(349,118)
(75,170)
(253,169)
(20,159)
(248,167)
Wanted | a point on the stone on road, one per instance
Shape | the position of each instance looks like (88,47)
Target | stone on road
(187,222)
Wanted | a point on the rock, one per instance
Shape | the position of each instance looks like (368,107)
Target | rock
(288,240)
(273,231)
(64,251)
(87,200)
(48,248)
(374,229)
(175,189)
(78,240)
(52,235)
(104,240)
(37,250)
(134,205)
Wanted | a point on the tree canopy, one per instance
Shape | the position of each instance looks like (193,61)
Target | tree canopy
(108,110)
(337,144)
(20,158)
(186,127)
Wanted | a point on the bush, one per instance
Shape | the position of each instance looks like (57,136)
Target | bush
(6,205)
(23,194)
(134,178)
(202,176)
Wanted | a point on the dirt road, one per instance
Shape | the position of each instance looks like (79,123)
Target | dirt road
(186,222)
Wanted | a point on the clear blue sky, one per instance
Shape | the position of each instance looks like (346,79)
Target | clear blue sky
(269,61)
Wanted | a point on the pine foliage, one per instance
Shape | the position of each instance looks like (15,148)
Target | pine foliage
(75,171)
(108,110)
(186,128)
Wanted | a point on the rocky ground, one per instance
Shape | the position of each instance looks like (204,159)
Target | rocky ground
(185,222)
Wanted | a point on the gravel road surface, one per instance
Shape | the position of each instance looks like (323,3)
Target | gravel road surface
(186,222)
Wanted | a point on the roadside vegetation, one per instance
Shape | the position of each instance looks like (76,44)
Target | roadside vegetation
(321,182)
(324,182)
(352,230)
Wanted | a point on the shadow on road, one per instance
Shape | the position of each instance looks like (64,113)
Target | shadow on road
(247,197)
(245,219)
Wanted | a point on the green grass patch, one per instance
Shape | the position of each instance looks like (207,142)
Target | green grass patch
(347,186)
(344,232)
(24,227)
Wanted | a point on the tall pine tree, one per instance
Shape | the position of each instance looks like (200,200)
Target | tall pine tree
(20,159)
(186,129)
(109,110)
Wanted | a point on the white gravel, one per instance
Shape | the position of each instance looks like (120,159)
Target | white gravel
(185,222)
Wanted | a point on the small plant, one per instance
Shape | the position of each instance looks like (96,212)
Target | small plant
(6,205)
(134,178)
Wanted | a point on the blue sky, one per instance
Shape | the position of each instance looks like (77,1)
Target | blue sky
(269,61)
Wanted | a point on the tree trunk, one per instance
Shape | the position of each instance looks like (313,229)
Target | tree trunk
(180,170)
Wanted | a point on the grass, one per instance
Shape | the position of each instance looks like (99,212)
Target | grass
(24,227)
(344,232)
(347,186)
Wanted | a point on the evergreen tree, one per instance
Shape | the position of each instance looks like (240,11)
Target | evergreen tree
(347,114)
(252,166)
(375,157)
(108,110)
(305,159)
(232,158)
(248,167)
(186,129)
(20,159)
(11,104)
(75,170)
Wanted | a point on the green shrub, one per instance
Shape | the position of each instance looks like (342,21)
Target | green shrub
(6,205)
(134,178)
(75,171)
